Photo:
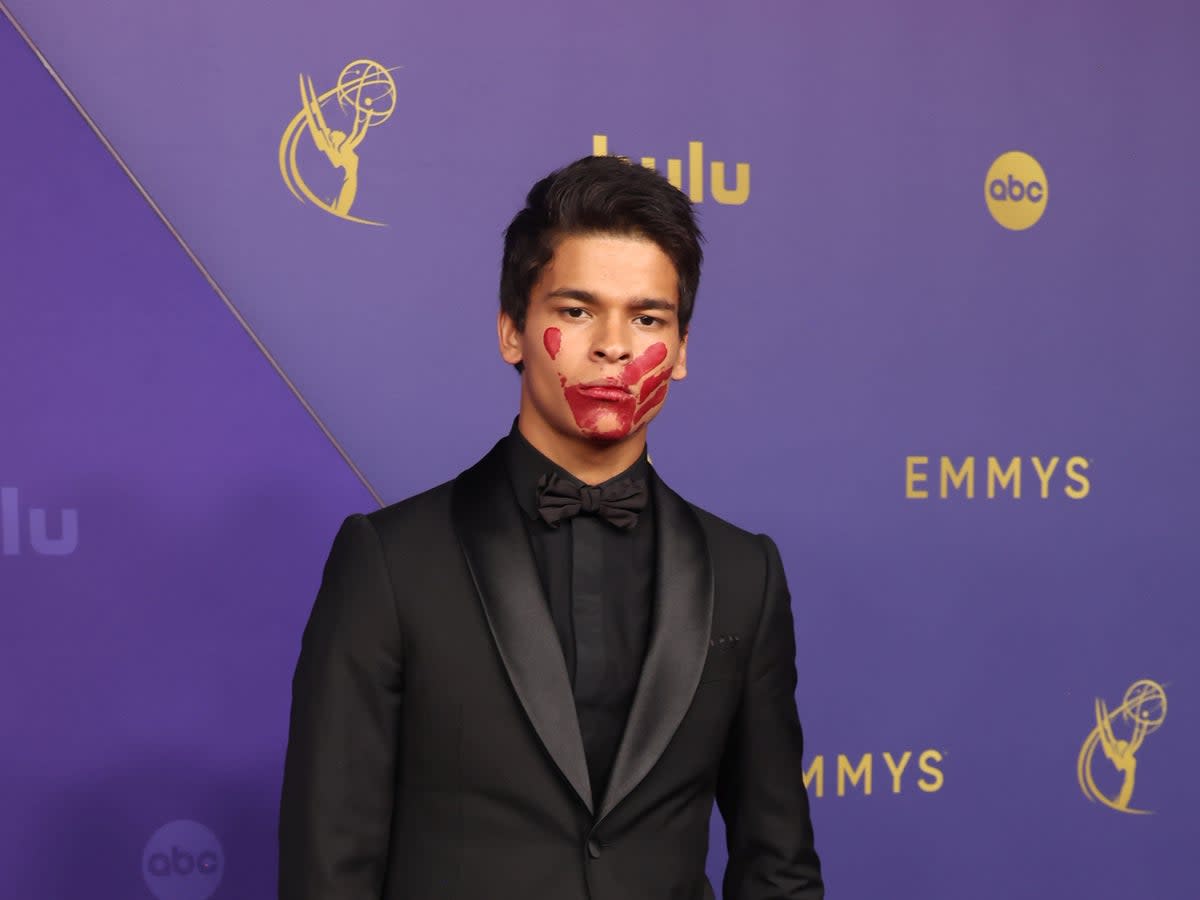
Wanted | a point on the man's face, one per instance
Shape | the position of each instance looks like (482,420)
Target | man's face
(601,341)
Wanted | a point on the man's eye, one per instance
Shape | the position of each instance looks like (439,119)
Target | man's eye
(575,312)
(649,320)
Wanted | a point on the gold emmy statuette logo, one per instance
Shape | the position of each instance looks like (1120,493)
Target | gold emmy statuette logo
(1016,190)
(1142,711)
(366,97)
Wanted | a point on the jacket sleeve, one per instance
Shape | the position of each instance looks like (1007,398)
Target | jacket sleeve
(339,772)
(760,786)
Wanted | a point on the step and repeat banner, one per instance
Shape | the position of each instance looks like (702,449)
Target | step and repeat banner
(250,256)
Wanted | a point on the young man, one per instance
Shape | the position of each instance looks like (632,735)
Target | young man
(531,681)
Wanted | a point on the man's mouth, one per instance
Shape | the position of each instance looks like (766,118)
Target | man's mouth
(605,389)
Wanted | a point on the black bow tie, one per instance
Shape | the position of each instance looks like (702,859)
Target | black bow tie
(617,503)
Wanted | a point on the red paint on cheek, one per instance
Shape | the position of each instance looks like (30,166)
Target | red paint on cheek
(651,384)
(652,401)
(637,368)
(552,338)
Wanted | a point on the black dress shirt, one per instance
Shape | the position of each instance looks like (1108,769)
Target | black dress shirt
(599,582)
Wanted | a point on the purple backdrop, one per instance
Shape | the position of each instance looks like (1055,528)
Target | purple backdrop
(167,500)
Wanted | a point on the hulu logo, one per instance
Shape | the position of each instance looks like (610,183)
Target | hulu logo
(717,183)
(40,541)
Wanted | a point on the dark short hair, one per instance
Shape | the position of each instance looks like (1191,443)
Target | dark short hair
(599,195)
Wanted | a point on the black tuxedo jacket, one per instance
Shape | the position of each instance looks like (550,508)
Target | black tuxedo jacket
(434,751)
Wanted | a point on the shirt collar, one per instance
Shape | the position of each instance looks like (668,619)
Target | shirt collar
(526,464)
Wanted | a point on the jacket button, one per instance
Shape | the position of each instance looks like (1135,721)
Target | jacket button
(593,848)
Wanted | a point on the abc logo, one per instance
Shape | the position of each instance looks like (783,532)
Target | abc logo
(183,861)
(1016,190)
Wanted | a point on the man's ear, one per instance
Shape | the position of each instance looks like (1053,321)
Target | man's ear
(510,339)
(679,372)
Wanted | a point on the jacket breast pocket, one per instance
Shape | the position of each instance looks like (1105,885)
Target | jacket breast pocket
(724,660)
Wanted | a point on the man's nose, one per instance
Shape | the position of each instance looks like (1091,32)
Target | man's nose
(613,344)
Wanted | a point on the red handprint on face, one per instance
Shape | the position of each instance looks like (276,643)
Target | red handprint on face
(609,408)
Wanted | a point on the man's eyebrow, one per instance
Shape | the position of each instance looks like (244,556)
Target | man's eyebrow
(567,293)
(652,303)
(581,296)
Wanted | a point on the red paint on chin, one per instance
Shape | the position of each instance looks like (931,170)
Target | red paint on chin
(609,419)
(636,369)
(552,338)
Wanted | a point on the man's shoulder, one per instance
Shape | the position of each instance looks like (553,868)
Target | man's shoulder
(429,513)
(422,512)
(721,531)
(739,556)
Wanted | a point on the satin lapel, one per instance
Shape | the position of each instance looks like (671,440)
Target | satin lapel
(678,644)
(492,536)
